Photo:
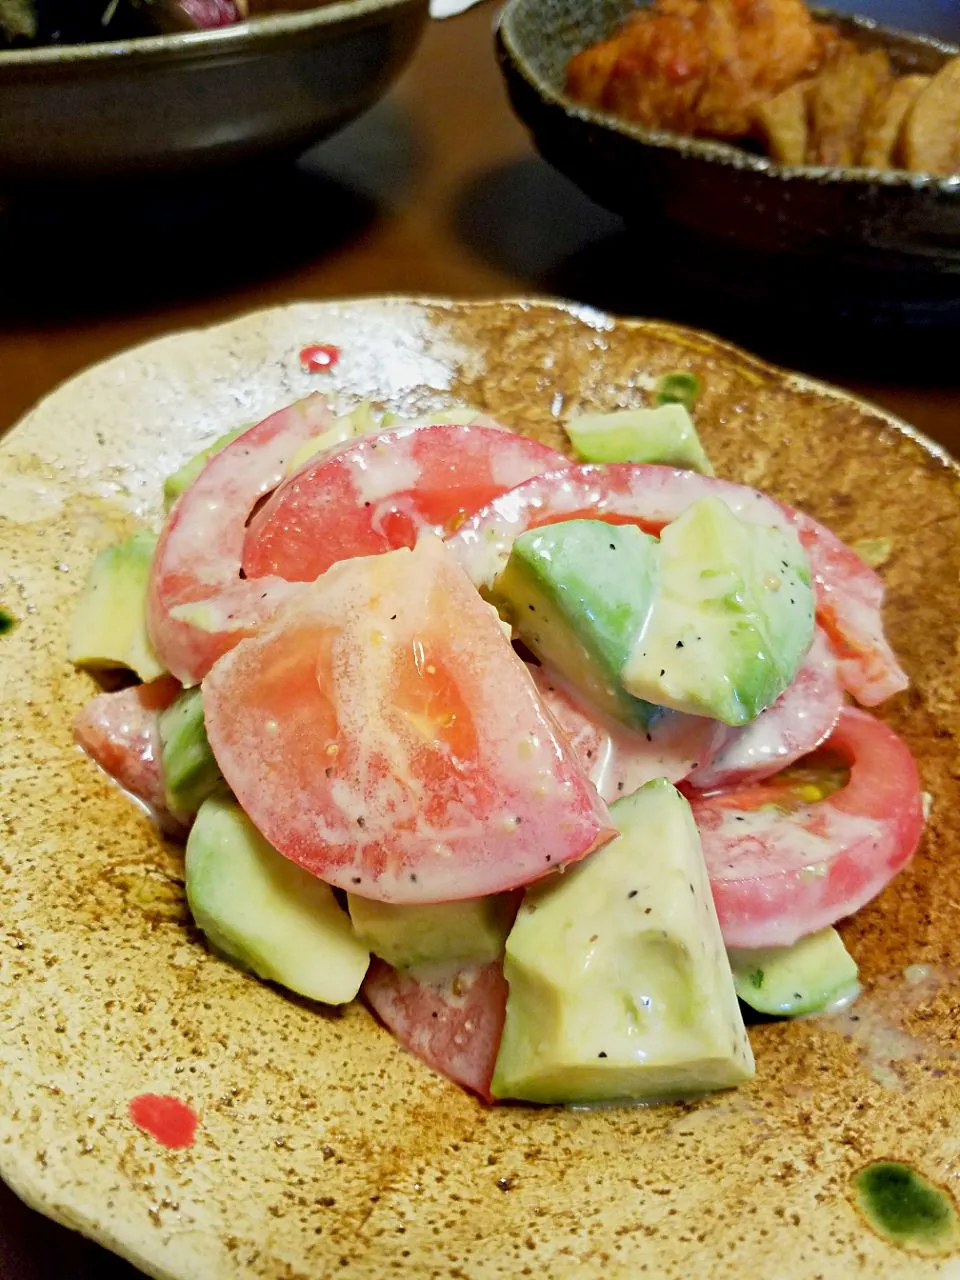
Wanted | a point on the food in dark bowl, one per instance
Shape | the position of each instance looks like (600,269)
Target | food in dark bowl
(826,244)
(29,23)
(189,100)
(768,72)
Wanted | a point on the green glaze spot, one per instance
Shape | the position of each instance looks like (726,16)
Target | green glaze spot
(907,1209)
(7,621)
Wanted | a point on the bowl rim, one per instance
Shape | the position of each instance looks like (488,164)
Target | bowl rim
(217,41)
(728,154)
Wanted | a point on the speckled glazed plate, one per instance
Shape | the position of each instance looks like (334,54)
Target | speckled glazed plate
(322,1149)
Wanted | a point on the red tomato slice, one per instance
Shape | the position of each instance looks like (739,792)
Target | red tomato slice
(618,760)
(381,731)
(849,593)
(121,731)
(198,606)
(380,491)
(801,718)
(453,1022)
(779,875)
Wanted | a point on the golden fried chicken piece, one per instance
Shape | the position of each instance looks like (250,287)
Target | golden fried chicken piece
(884,122)
(700,66)
(840,100)
(930,141)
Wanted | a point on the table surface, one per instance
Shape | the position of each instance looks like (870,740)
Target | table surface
(437,191)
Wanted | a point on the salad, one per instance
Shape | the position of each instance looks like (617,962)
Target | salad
(556,764)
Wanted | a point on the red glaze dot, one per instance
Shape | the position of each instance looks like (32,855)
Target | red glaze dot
(320,357)
(167,1119)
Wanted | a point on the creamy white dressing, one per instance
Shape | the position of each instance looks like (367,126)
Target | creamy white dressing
(510,466)
(751,843)
(619,760)
(390,468)
(797,723)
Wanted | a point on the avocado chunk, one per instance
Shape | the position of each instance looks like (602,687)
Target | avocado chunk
(190,773)
(678,387)
(578,594)
(266,913)
(664,434)
(109,626)
(463,933)
(620,987)
(810,976)
(731,620)
(181,480)
(358,422)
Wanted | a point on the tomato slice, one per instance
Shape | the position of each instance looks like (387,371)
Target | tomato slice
(378,492)
(849,592)
(618,760)
(452,1021)
(198,606)
(381,731)
(121,731)
(777,875)
(801,718)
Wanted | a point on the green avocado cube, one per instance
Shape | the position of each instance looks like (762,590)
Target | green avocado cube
(731,620)
(663,434)
(620,987)
(190,772)
(109,627)
(807,977)
(577,594)
(406,937)
(267,914)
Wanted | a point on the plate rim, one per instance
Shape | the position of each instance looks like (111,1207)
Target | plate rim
(566,306)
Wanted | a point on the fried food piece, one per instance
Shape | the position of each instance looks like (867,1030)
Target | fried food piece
(841,96)
(884,121)
(700,66)
(783,123)
(930,142)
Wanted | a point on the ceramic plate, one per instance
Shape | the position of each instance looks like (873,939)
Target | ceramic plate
(323,1149)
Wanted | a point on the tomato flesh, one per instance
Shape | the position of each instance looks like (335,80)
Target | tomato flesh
(801,718)
(849,593)
(121,732)
(379,492)
(198,605)
(380,731)
(777,875)
(451,1021)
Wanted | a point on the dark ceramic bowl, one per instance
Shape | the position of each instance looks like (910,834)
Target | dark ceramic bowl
(872,246)
(175,102)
